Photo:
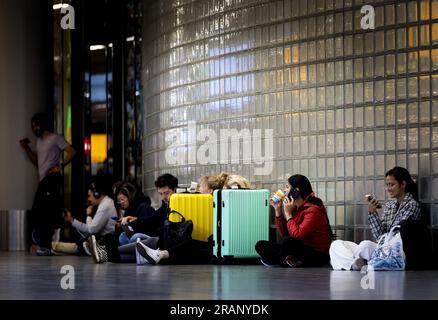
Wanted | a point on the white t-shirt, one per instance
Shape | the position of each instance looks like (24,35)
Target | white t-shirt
(101,223)
(49,148)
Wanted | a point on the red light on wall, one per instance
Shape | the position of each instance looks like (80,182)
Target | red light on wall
(87,146)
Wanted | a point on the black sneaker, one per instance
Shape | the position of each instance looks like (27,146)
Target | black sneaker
(129,231)
(267,265)
(42,252)
(292,262)
(36,237)
(98,252)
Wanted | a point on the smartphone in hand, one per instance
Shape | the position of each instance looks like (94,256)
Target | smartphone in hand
(371,198)
(294,194)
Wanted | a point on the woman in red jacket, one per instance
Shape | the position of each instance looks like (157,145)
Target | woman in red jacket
(302,220)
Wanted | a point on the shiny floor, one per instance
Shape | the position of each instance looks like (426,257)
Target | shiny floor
(26,277)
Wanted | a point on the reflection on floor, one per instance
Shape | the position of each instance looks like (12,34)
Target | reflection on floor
(26,277)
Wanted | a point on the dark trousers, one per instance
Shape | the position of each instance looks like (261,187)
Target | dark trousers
(79,238)
(46,214)
(274,254)
(190,252)
(111,243)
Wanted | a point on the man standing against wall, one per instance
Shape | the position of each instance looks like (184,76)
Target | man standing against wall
(47,207)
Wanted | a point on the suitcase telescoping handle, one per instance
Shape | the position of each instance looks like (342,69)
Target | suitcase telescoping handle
(218,224)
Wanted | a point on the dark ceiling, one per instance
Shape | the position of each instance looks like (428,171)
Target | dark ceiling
(100,20)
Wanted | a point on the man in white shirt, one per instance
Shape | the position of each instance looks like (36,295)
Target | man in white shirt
(101,214)
(101,222)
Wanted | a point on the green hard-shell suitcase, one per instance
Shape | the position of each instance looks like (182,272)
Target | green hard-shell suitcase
(240,218)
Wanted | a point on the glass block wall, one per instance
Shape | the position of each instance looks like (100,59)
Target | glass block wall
(344,104)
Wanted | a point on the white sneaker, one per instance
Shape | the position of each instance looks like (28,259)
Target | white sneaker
(138,257)
(86,248)
(56,235)
(151,255)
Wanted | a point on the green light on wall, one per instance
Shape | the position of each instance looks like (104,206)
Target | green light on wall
(68,125)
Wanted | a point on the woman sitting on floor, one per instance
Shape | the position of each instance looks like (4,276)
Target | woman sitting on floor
(302,220)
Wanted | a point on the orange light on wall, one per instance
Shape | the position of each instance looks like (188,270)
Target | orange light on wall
(98,148)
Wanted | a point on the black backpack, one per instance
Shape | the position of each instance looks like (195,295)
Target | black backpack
(417,244)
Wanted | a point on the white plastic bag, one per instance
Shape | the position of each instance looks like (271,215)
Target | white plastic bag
(389,254)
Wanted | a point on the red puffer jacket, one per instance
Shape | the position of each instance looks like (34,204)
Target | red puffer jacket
(309,224)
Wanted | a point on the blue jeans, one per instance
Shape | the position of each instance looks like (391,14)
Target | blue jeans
(123,238)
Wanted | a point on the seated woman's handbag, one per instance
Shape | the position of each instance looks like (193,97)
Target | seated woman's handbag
(176,232)
(389,254)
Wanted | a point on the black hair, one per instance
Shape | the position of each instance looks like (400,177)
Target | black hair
(128,190)
(402,174)
(102,184)
(167,180)
(303,184)
(41,119)
(116,186)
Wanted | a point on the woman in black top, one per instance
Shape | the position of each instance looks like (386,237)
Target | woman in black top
(139,219)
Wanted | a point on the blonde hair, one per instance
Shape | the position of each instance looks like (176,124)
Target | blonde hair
(214,182)
(225,180)
(236,180)
(221,179)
